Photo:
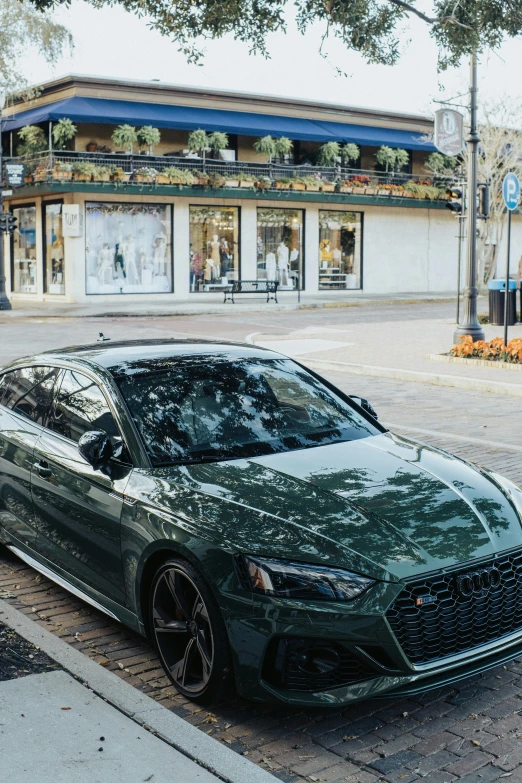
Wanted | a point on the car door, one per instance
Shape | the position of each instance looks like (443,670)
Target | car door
(77,508)
(25,398)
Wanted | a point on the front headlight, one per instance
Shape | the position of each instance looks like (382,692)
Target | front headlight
(287,579)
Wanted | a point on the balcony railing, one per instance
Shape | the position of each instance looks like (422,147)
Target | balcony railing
(117,167)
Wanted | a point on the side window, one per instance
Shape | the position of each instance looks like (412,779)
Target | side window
(28,391)
(80,406)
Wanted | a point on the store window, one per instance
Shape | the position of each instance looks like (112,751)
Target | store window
(23,266)
(128,248)
(214,247)
(280,246)
(54,269)
(340,244)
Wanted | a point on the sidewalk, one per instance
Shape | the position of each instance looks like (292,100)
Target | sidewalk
(75,721)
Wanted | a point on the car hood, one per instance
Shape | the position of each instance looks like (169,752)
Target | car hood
(384,505)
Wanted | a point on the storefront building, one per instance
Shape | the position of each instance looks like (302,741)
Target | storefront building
(80,238)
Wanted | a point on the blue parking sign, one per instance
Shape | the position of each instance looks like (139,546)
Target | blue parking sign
(511,191)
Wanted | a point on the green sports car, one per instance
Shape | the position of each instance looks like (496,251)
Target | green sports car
(260,526)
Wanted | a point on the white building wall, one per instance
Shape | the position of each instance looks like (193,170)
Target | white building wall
(405,249)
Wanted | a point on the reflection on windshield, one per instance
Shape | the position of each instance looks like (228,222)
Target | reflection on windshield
(206,409)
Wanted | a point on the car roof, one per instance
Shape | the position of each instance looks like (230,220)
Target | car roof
(125,356)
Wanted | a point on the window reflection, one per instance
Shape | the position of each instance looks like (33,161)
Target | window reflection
(340,243)
(80,407)
(24,251)
(228,410)
(54,252)
(214,247)
(280,246)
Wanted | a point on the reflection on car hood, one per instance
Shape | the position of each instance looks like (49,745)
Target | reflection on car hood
(382,504)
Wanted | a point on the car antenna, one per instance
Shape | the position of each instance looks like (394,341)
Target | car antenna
(102,338)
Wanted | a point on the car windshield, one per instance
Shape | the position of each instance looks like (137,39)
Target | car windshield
(209,410)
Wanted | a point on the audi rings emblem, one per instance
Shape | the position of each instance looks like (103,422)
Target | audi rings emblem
(478,582)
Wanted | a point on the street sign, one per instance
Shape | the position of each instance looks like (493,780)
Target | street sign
(511,191)
(14,174)
(449,131)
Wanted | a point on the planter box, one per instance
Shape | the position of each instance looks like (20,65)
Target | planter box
(141,178)
(345,189)
(231,183)
(406,194)
(102,178)
(297,186)
(120,177)
(82,177)
(245,183)
(40,176)
(370,191)
(328,187)
(314,188)
(398,193)
(61,175)
(202,182)
(382,192)
(281,185)
(358,191)
(28,179)
(161,179)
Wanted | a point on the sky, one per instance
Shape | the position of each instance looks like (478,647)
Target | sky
(113,43)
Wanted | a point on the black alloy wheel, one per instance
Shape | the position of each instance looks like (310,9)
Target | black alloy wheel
(189,633)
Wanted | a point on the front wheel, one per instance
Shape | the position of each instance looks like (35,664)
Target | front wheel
(189,633)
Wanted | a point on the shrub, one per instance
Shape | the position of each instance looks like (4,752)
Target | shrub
(125,136)
(494,351)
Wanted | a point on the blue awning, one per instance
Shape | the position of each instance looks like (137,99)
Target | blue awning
(109,112)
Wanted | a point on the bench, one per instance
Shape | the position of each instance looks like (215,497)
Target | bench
(268,287)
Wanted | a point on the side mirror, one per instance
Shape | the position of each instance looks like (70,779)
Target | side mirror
(364,404)
(95,447)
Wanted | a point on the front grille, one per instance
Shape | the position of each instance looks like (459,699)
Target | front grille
(448,619)
(289,663)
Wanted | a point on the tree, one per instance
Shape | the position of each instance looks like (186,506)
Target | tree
(265,146)
(500,151)
(125,136)
(371,27)
(350,153)
(328,154)
(386,157)
(218,141)
(437,163)
(22,27)
(283,146)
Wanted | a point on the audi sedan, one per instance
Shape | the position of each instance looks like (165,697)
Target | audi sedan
(260,526)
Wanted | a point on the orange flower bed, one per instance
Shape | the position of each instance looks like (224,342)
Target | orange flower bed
(493,351)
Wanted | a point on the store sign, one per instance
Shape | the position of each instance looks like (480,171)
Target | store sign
(449,131)
(72,220)
(14,174)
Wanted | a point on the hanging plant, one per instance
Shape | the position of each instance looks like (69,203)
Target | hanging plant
(125,136)
(265,146)
(328,154)
(32,140)
(217,141)
(283,146)
(350,153)
(63,131)
(148,137)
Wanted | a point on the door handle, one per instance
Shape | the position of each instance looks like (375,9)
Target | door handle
(43,469)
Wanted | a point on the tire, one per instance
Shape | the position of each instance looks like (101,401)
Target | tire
(189,633)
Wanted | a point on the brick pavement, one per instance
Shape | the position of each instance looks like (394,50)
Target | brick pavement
(470,733)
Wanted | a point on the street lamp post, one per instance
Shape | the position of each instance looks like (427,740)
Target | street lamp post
(5,304)
(470,324)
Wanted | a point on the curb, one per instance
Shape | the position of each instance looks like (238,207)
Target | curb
(433,379)
(187,739)
(442,357)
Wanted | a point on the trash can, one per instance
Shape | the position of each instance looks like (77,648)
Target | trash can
(497,290)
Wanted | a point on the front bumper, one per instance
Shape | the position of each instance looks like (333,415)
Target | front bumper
(360,629)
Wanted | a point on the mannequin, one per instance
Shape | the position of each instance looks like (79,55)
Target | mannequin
(336,255)
(271,267)
(282,262)
(209,271)
(129,253)
(224,255)
(214,249)
(159,254)
(326,252)
(105,258)
(57,261)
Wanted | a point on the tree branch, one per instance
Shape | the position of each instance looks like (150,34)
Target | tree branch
(429,19)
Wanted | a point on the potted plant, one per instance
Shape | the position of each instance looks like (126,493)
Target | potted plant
(118,174)
(345,186)
(263,183)
(283,147)
(350,153)
(327,187)
(198,142)
(200,178)
(265,146)
(148,137)
(359,182)
(217,141)
(32,140)
(282,183)
(82,170)
(402,158)
(216,180)
(328,154)
(125,136)
(312,183)
(40,173)
(246,180)
(145,174)
(231,182)
(102,174)
(298,183)
(92,146)
(62,171)
(63,131)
